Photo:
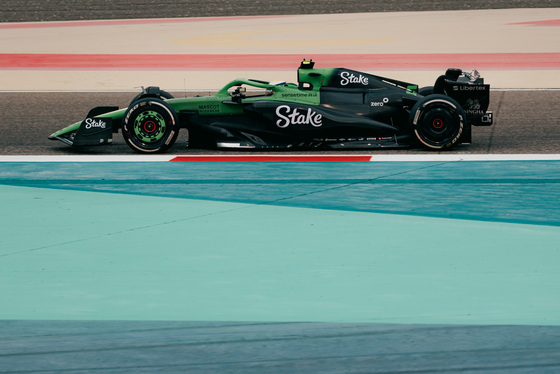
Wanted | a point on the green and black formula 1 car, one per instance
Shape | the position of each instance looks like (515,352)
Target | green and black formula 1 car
(328,108)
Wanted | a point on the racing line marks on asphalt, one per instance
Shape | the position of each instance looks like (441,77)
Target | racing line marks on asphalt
(497,119)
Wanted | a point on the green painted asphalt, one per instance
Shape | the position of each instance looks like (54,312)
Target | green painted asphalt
(86,255)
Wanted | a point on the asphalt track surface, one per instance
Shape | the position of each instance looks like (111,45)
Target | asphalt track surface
(524,123)
(66,10)
(254,348)
(527,123)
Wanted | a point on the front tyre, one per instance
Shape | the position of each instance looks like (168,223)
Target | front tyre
(150,125)
(437,121)
(152,91)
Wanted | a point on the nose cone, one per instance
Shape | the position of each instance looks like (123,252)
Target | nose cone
(67,134)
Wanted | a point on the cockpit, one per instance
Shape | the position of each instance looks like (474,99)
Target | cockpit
(252,88)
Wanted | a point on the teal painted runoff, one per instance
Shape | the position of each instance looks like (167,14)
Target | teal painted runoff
(78,254)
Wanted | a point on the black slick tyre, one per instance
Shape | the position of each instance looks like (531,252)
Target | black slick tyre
(154,92)
(437,121)
(425,91)
(150,125)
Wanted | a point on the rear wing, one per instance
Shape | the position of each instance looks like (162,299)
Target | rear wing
(469,90)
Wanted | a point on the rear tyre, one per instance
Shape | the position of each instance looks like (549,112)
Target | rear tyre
(425,91)
(150,125)
(437,121)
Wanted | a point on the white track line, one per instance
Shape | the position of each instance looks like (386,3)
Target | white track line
(373,158)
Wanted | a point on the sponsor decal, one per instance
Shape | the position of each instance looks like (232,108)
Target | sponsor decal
(473,104)
(205,108)
(474,112)
(469,88)
(294,116)
(209,107)
(348,78)
(309,94)
(380,103)
(473,107)
(92,123)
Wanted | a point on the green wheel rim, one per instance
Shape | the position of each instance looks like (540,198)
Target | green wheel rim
(149,126)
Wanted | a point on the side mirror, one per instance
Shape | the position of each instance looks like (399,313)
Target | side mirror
(238,94)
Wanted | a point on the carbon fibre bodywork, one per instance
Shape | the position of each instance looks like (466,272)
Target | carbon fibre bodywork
(327,108)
